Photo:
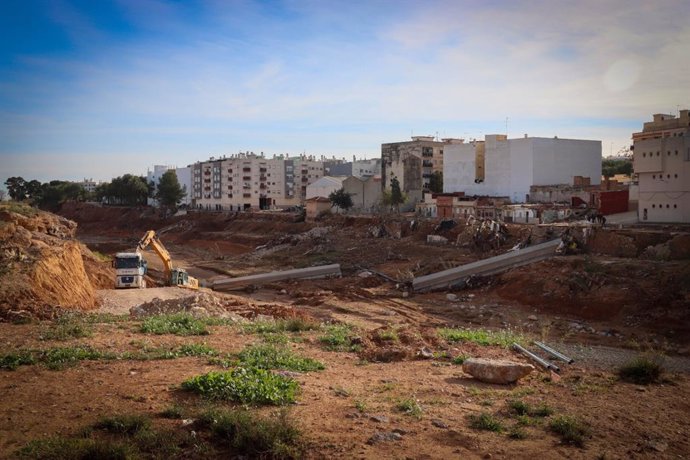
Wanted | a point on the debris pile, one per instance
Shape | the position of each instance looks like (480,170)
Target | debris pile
(399,343)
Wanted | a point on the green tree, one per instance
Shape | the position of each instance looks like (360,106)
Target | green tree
(436,182)
(341,199)
(16,188)
(394,197)
(169,193)
(127,190)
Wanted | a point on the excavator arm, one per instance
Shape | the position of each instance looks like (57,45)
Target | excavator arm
(181,278)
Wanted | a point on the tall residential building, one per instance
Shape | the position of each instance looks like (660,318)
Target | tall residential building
(512,166)
(661,159)
(412,163)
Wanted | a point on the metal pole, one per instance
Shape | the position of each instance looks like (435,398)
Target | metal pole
(554,353)
(541,361)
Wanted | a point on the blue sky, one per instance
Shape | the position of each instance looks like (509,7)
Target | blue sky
(102,88)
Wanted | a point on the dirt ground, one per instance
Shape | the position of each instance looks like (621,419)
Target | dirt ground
(601,309)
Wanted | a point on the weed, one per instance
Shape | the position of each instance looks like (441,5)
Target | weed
(486,403)
(361,405)
(105,318)
(276,338)
(388,335)
(59,357)
(519,407)
(460,359)
(387,386)
(485,421)
(542,410)
(642,370)
(281,325)
(525,420)
(67,327)
(255,437)
(19,208)
(128,424)
(338,337)
(178,324)
(266,356)
(480,336)
(571,430)
(196,349)
(173,411)
(58,448)
(246,385)
(517,432)
(410,406)
(13,360)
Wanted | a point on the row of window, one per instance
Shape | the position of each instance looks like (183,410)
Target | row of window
(661,176)
(651,154)
(667,206)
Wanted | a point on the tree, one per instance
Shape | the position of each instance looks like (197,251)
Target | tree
(395,197)
(16,187)
(436,182)
(341,199)
(126,190)
(169,193)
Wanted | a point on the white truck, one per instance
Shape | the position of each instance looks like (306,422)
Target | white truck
(130,268)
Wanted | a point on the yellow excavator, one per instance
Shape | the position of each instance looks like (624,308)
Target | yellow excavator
(131,266)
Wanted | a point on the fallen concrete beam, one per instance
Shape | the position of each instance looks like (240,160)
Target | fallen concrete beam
(490,266)
(323,271)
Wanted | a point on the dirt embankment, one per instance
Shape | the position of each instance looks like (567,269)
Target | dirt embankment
(43,267)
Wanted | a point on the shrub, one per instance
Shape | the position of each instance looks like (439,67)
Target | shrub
(196,349)
(517,432)
(519,407)
(255,437)
(178,324)
(281,325)
(268,356)
(173,412)
(59,357)
(13,360)
(485,421)
(642,370)
(410,406)
(480,336)
(68,327)
(246,385)
(338,337)
(57,448)
(460,359)
(389,335)
(571,430)
(128,424)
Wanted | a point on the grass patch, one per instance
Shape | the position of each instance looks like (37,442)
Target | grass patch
(281,325)
(338,337)
(105,318)
(517,432)
(245,385)
(388,335)
(642,370)
(60,357)
(19,208)
(459,359)
(128,424)
(486,422)
(519,407)
(522,409)
(172,412)
(12,361)
(196,349)
(410,406)
(178,324)
(253,436)
(361,405)
(59,448)
(67,327)
(571,430)
(480,336)
(267,356)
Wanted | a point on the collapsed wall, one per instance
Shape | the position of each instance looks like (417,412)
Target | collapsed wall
(42,264)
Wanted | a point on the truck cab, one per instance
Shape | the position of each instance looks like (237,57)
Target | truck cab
(130,268)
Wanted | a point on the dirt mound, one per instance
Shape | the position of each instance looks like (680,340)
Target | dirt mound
(399,343)
(220,306)
(41,263)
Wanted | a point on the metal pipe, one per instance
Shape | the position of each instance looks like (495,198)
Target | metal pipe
(541,361)
(554,353)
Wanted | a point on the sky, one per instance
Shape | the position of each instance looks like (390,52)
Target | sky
(97,89)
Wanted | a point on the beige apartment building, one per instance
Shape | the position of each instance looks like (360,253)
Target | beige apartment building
(412,163)
(249,181)
(661,159)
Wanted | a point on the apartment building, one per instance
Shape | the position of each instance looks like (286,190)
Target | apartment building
(412,163)
(661,159)
(511,166)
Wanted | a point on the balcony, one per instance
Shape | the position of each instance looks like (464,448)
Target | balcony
(246,169)
(246,195)
(246,177)
(262,177)
(262,186)
(262,170)
(427,164)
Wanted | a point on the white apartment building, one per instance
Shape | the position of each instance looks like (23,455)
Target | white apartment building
(661,159)
(512,166)
(184,177)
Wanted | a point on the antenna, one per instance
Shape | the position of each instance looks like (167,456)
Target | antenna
(506,126)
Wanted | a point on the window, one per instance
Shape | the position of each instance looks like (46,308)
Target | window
(657,153)
(644,155)
(653,176)
(675,176)
(675,206)
(653,206)
(676,152)
(668,176)
(667,206)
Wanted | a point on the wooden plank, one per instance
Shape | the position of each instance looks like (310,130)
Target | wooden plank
(322,271)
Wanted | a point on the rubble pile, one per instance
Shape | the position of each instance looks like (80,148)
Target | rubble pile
(225,306)
(399,343)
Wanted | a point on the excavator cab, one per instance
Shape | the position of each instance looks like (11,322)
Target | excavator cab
(180,277)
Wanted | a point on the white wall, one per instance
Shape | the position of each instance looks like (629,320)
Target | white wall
(512,166)
(184,177)
(323,187)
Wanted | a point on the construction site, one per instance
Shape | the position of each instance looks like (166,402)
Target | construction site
(392,336)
